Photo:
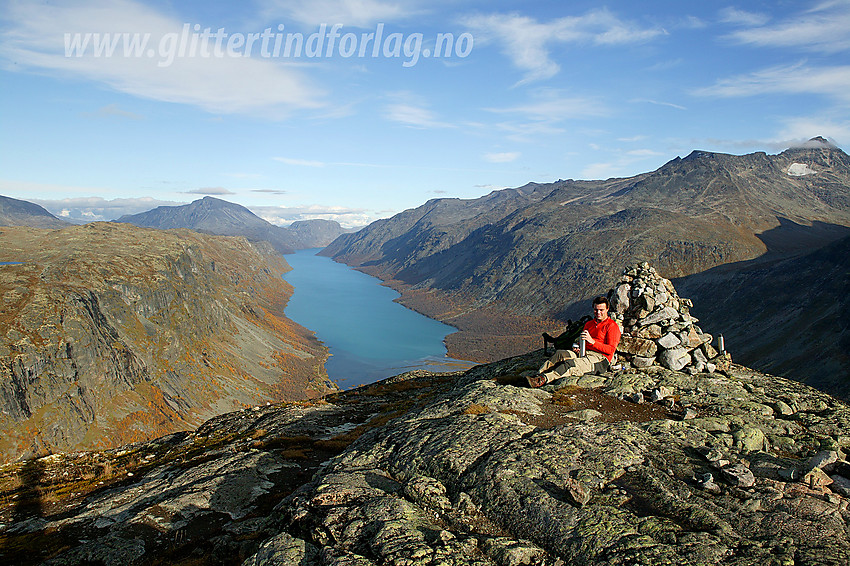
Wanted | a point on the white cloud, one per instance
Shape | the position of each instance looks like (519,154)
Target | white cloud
(740,17)
(798,130)
(89,209)
(660,103)
(34,41)
(825,28)
(504,157)
(112,110)
(551,105)
(356,13)
(299,162)
(347,217)
(217,191)
(643,153)
(542,114)
(799,78)
(528,43)
(599,171)
(413,113)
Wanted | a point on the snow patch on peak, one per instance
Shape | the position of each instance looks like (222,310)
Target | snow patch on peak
(800,169)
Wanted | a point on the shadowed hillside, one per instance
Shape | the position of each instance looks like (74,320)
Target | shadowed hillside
(788,315)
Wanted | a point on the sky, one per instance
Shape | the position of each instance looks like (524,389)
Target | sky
(354,110)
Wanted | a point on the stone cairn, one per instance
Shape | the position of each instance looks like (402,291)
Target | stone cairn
(658,328)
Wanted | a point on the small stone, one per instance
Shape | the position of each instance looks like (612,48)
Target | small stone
(642,362)
(706,482)
(660,315)
(817,479)
(651,332)
(709,453)
(783,408)
(636,397)
(584,414)
(690,339)
(690,413)
(709,351)
(637,346)
(576,492)
(738,475)
(660,393)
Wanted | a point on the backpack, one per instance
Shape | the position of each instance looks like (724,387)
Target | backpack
(568,337)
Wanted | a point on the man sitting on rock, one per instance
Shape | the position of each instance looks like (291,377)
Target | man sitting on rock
(601,336)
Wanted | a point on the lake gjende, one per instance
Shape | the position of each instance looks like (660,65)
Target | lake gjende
(369,336)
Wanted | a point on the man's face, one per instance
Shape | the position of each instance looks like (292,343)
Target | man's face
(600,312)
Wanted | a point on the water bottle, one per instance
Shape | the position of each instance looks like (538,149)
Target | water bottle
(581,347)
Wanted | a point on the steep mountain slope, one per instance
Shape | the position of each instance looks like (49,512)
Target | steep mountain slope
(527,260)
(215,216)
(791,315)
(111,333)
(14,212)
(315,233)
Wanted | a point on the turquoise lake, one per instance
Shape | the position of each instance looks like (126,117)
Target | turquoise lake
(369,336)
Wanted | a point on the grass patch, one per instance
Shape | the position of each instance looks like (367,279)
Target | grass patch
(476,409)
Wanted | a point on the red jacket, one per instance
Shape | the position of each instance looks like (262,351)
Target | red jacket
(607,336)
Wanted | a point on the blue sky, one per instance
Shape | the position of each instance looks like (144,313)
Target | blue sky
(522,92)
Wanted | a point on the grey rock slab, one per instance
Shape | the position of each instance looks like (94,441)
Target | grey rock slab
(674,359)
(738,475)
(660,315)
(637,346)
(669,341)
(284,549)
(488,394)
(823,460)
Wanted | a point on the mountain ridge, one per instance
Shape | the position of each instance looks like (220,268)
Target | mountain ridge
(220,217)
(535,261)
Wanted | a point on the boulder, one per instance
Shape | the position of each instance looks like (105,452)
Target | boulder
(674,359)
(637,346)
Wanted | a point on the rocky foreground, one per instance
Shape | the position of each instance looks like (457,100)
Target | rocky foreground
(735,467)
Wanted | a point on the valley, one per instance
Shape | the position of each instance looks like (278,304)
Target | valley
(507,266)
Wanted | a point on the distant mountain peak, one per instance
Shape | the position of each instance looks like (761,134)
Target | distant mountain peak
(817,142)
(15,212)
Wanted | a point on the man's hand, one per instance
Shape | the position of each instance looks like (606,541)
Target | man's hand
(585,335)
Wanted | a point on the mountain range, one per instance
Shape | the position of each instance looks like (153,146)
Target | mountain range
(504,266)
(215,216)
